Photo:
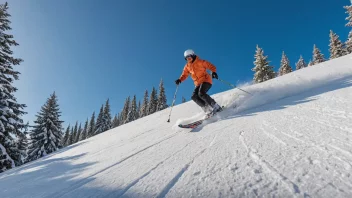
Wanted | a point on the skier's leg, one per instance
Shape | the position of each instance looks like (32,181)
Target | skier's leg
(196,98)
(204,88)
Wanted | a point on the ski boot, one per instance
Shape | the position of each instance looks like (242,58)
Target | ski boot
(207,109)
(216,109)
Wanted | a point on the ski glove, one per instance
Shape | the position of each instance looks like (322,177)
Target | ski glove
(214,75)
(178,81)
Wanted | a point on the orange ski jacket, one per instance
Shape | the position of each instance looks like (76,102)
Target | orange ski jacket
(198,71)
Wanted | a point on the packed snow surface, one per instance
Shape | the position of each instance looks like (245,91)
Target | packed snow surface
(291,138)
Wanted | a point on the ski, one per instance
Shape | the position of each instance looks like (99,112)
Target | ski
(195,124)
(192,125)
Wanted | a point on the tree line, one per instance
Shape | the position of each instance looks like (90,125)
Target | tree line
(263,71)
(47,134)
(21,143)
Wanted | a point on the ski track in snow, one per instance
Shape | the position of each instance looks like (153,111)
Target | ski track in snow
(271,170)
(177,177)
(73,187)
(147,173)
(273,137)
(184,169)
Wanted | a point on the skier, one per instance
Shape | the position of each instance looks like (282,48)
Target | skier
(202,81)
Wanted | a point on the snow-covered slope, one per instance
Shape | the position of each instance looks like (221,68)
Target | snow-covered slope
(291,138)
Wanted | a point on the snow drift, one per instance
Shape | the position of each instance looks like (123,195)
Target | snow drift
(291,138)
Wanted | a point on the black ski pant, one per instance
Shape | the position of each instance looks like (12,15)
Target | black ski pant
(201,97)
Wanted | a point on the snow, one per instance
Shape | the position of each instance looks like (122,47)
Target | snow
(12,121)
(291,138)
(3,117)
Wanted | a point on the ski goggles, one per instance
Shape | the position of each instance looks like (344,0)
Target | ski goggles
(189,56)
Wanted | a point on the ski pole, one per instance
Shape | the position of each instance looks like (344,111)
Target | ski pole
(231,85)
(173,102)
(234,86)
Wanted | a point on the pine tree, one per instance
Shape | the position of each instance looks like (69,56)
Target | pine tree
(162,101)
(285,67)
(349,18)
(144,108)
(126,110)
(84,131)
(71,137)
(118,123)
(310,63)
(79,131)
(65,140)
(46,137)
(99,123)
(300,64)
(120,119)
(183,99)
(318,57)
(336,46)
(91,128)
(106,117)
(153,102)
(23,144)
(138,109)
(263,71)
(75,133)
(133,112)
(348,43)
(10,111)
(115,122)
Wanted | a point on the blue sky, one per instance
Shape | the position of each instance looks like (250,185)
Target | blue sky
(88,52)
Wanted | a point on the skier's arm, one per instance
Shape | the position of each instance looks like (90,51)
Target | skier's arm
(185,74)
(209,66)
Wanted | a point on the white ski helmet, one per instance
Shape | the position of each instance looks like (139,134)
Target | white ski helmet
(189,52)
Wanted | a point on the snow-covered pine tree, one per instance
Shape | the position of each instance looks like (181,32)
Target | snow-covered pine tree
(348,43)
(144,108)
(336,46)
(46,136)
(99,123)
(65,140)
(153,102)
(263,71)
(71,139)
(300,64)
(106,117)
(349,17)
(162,101)
(118,122)
(183,99)
(74,134)
(91,128)
(126,110)
(85,131)
(120,119)
(318,57)
(133,112)
(285,67)
(10,111)
(138,108)
(79,132)
(115,121)
(23,144)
